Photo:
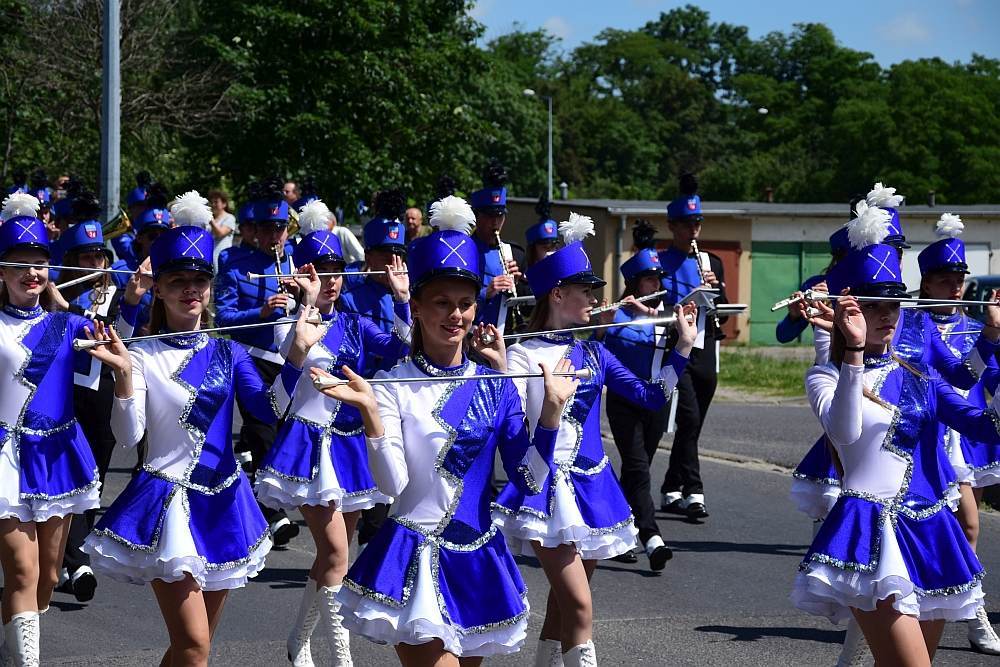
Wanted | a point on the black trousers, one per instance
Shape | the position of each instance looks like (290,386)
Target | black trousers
(637,434)
(93,412)
(695,388)
(257,436)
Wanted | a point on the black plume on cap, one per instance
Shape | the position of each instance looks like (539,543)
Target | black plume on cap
(272,188)
(85,206)
(494,174)
(143,179)
(307,188)
(688,184)
(157,195)
(544,207)
(643,234)
(390,204)
(445,187)
(39,180)
(20,178)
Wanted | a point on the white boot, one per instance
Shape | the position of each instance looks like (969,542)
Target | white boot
(340,638)
(855,651)
(583,655)
(21,636)
(549,653)
(299,652)
(982,637)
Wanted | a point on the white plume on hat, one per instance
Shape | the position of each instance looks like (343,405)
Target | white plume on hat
(577,228)
(884,197)
(191,209)
(19,203)
(870,227)
(949,226)
(452,213)
(314,216)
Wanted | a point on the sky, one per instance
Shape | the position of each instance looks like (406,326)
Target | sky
(893,30)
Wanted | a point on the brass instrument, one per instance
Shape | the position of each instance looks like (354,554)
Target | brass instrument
(293,221)
(505,257)
(116,226)
(701,275)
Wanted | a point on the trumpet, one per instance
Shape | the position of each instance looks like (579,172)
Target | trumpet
(117,226)
(293,221)
(321,381)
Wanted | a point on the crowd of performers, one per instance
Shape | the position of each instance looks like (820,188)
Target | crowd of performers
(907,403)
(414,382)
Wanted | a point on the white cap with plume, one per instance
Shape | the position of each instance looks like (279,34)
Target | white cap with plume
(18,204)
(884,197)
(191,209)
(314,216)
(870,227)
(949,226)
(577,228)
(452,213)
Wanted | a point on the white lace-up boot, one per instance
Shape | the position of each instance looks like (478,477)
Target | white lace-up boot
(982,636)
(549,653)
(299,650)
(584,655)
(340,638)
(21,639)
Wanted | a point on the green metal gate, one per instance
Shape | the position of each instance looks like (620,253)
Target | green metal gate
(778,269)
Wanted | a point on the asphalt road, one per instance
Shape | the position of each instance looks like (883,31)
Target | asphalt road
(723,599)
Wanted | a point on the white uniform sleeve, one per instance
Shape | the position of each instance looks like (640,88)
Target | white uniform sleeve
(128,415)
(837,400)
(386,454)
(821,344)
(518,362)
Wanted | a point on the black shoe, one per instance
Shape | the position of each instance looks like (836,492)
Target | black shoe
(696,511)
(84,584)
(674,507)
(658,559)
(627,557)
(283,530)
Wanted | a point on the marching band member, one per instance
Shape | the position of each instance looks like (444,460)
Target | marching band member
(890,553)
(543,236)
(47,469)
(977,465)
(636,430)
(437,581)
(187,522)
(499,281)
(682,489)
(239,300)
(93,382)
(318,463)
(581,515)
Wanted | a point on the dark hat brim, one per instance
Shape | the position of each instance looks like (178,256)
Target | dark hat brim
(185,264)
(893,290)
(584,278)
(897,242)
(448,272)
(32,246)
(329,259)
(951,267)
(391,247)
(489,209)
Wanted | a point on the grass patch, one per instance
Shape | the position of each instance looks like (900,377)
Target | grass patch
(760,374)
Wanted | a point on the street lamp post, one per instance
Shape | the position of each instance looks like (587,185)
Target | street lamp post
(111,110)
(528,92)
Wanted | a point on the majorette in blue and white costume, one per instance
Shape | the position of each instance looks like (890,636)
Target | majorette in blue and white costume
(581,502)
(439,568)
(46,466)
(975,463)
(190,509)
(918,340)
(890,535)
(319,455)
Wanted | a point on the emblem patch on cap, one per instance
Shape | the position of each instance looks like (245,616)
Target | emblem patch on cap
(393,234)
(90,230)
(496,197)
(549,228)
(692,204)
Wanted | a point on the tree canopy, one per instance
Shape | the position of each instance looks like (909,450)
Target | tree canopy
(370,94)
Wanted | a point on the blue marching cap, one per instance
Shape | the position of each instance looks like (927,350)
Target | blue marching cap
(63,208)
(185,248)
(839,242)
(318,247)
(86,235)
(152,218)
(568,265)
(43,195)
(870,271)
(446,253)
(687,206)
(136,196)
(546,230)
(271,212)
(896,236)
(302,201)
(385,234)
(947,254)
(492,199)
(245,214)
(646,260)
(23,231)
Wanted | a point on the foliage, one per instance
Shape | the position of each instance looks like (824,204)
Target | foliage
(370,94)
